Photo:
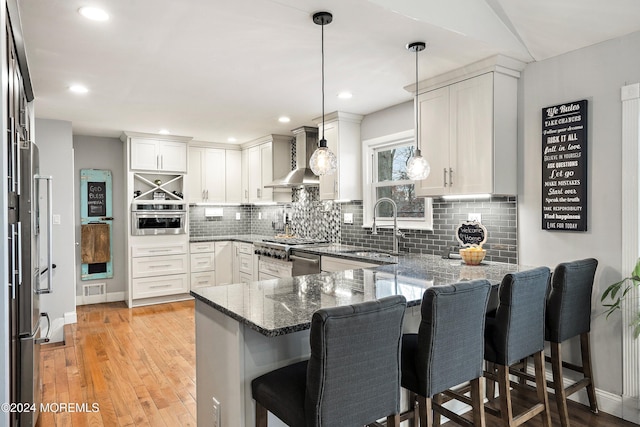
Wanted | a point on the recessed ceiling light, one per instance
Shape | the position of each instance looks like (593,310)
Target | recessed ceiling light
(78,89)
(93,13)
(345,95)
(284,119)
(164,132)
(231,139)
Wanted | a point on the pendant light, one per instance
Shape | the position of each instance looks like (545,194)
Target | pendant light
(323,161)
(417,168)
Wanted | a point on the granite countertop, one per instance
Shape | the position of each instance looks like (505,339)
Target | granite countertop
(281,306)
(247,238)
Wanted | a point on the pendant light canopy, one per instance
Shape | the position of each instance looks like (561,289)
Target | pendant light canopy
(323,161)
(417,168)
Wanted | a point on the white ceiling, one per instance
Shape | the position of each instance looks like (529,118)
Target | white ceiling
(212,69)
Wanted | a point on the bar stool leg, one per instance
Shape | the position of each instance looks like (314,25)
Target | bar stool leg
(585,348)
(558,383)
(261,415)
(491,384)
(414,421)
(506,408)
(393,420)
(541,387)
(426,411)
(436,415)
(477,386)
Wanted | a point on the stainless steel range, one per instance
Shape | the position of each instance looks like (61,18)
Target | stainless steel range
(278,259)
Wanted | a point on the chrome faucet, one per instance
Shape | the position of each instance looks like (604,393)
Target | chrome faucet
(396,232)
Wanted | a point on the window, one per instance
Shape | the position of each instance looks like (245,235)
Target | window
(385,171)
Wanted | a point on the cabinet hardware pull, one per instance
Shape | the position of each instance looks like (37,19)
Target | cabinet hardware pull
(207,194)
(160,266)
(159,250)
(299,258)
(159,286)
(203,195)
(258,193)
(450,177)
(445,177)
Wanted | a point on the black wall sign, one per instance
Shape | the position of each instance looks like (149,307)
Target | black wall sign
(97,198)
(471,233)
(564,167)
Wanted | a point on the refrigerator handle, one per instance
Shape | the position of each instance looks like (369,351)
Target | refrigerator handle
(19,267)
(12,260)
(49,269)
(47,337)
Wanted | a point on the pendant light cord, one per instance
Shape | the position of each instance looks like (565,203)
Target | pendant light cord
(322,52)
(416,106)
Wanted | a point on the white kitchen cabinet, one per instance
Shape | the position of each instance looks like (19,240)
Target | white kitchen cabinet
(207,175)
(342,132)
(242,262)
(202,262)
(158,270)
(233,176)
(468,134)
(224,262)
(330,264)
(158,155)
(267,159)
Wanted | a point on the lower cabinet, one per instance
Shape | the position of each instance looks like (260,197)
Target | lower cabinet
(243,260)
(211,263)
(159,270)
(330,264)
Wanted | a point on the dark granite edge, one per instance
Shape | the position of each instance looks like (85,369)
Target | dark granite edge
(266,332)
(233,238)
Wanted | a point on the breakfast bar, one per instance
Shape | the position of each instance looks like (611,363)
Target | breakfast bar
(244,330)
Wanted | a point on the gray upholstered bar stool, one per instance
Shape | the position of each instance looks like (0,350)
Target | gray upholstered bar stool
(352,377)
(447,351)
(515,332)
(569,315)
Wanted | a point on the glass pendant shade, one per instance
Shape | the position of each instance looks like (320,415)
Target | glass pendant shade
(323,161)
(418,168)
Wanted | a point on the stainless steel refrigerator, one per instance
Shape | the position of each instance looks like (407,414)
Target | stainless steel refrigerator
(31,275)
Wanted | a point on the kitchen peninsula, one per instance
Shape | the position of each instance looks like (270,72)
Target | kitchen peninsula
(244,330)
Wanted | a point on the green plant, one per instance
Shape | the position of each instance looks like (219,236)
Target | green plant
(617,292)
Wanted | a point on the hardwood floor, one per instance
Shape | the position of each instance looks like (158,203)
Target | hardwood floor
(138,365)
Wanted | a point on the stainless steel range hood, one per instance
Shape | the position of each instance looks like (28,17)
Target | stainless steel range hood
(306,143)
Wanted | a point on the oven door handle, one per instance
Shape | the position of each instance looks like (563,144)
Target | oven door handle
(299,258)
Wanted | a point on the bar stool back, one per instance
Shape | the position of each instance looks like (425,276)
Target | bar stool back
(569,315)
(447,350)
(516,332)
(353,375)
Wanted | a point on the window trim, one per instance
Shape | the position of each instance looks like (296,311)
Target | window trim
(369,147)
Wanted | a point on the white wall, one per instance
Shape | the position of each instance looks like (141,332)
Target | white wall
(92,152)
(54,140)
(391,120)
(594,73)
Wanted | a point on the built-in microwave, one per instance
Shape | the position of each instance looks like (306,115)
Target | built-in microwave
(158,220)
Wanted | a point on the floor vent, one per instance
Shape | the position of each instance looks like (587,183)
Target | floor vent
(94,293)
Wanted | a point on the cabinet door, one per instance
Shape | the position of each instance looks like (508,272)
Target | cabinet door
(144,154)
(329,182)
(433,113)
(173,156)
(224,262)
(471,109)
(255,175)
(214,173)
(204,261)
(244,182)
(266,171)
(233,178)
(195,177)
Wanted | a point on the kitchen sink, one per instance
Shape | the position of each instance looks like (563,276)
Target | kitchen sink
(370,254)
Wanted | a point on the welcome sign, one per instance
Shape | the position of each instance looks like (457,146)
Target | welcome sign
(564,167)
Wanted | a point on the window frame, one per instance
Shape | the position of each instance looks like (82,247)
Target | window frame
(370,147)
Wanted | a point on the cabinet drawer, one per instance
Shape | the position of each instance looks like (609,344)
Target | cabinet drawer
(202,262)
(159,265)
(162,249)
(246,278)
(246,263)
(159,286)
(200,247)
(245,248)
(199,280)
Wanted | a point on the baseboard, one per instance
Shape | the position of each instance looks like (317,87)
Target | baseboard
(98,299)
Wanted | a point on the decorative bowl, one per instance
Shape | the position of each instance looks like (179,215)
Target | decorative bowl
(472,256)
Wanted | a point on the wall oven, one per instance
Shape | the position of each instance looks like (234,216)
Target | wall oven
(158,219)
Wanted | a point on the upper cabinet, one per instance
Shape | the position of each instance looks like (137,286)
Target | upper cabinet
(468,134)
(342,132)
(214,175)
(267,159)
(233,176)
(156,154)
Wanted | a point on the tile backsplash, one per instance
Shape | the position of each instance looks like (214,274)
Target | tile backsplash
(314,218)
